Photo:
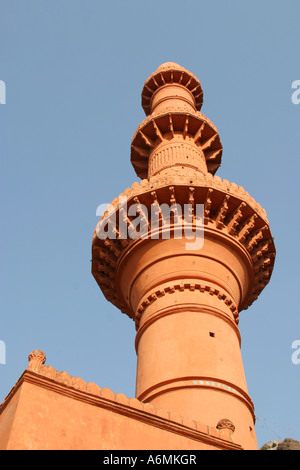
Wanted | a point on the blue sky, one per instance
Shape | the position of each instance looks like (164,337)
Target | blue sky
(74,72)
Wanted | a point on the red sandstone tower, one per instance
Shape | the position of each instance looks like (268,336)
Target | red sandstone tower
(184,297)
(181,253)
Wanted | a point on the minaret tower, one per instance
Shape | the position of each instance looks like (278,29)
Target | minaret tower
(185,289)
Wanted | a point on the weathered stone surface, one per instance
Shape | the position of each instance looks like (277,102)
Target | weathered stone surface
(287,444)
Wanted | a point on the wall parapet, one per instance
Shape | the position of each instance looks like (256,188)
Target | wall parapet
(76,388)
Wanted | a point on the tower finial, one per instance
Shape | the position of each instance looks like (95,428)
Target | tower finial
(175,137)
(172,73)
(36,359)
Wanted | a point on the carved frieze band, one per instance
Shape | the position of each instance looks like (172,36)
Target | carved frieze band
(226,208)
(176,154)
(194,127)
(192,287)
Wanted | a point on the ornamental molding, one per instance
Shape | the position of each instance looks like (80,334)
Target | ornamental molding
(186,286)
(226,424)
(228,209)
(203,382)
(192,128)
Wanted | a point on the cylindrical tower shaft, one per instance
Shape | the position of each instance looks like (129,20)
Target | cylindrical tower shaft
(187,341)
(185,292)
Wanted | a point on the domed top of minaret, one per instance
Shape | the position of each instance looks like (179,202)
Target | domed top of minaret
(169,65)
(175,136)
(171,73)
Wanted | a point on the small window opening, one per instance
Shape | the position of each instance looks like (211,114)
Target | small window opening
(211,334)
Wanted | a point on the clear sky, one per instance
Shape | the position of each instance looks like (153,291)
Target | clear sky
(74,72)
